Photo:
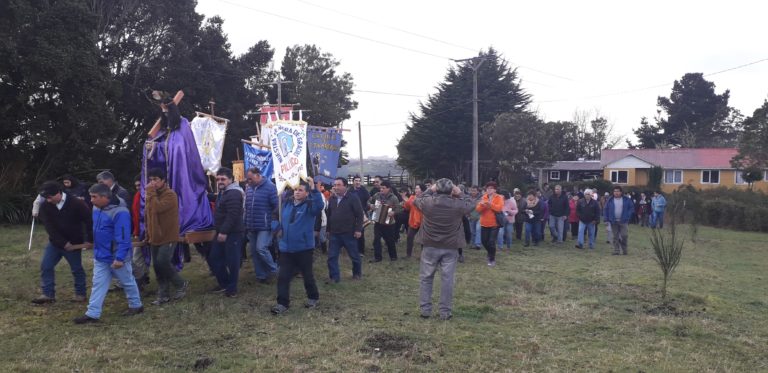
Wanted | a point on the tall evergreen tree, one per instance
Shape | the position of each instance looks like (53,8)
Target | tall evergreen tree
(693,116)
(753,142)
(438,142)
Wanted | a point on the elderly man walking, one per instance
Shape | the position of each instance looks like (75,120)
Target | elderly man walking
(441,233)
(617,212)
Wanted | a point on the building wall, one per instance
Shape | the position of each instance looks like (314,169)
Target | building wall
(727,179)
(631,175)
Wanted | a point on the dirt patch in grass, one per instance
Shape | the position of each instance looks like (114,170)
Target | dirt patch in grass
(203,363)
(668,309)
(388,344)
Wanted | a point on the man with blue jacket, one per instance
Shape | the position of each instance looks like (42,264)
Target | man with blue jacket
(260,203)
(297,243)
(658,205)
(111,254)
(617,213)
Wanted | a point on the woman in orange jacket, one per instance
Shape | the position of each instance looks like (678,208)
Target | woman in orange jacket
(414,218)
(491,204)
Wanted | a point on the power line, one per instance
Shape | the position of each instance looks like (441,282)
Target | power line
(653,86)
(424,37)
(389,93)
(336,31)
(457,106)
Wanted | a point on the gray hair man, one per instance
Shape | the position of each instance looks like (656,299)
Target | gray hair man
(441,232)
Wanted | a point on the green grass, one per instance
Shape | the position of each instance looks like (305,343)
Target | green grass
(549,309)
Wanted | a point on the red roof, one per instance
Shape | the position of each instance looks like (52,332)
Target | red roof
(686,158)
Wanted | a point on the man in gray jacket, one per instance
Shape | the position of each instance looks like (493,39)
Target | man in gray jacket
(441,233)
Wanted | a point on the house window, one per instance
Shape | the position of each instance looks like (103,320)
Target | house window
(740,178)
(554,175)
(710,177)
(619,177)
(673,176)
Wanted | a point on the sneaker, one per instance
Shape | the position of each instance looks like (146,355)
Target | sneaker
(160,301)
(579,247)
(230,294)
(133,311)
(85,319)
(79,299)
(218,289)
(425,315)
(461,259)
(311,303)
(182,291)
(279,309)
(43,299)
(331,282)
(491,263)
(446,316)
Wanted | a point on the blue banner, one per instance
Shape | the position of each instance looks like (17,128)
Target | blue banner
(324,147)
(260,158)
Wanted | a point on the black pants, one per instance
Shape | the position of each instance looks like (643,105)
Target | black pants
(409,241)
(519,230)
(387,232)
(574,230)
(290,264)
(488,237)
(361,242)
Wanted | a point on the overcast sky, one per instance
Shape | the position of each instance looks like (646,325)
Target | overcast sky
(571,55)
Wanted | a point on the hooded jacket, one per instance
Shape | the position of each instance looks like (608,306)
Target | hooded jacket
(298,221)
(111,232)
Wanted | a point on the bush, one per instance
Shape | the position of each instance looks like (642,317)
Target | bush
(728,208)
(15,209)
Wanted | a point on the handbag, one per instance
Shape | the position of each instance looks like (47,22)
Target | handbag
(501,219)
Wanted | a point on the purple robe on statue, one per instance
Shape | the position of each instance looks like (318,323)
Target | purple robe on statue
(177,154)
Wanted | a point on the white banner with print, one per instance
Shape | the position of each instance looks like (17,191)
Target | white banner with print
(209,137)
(288,143)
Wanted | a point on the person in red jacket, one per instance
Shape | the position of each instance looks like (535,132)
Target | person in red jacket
(573,218)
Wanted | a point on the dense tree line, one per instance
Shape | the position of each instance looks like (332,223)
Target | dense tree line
(74,77)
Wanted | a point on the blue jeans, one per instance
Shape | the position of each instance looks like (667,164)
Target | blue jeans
(263,263)
(348,240)
(557,227)
(532,231)
(51,257)
(505,235)
(473,227)
(103,273)
(478,239)
(657,219)
(224,260)
(590,227)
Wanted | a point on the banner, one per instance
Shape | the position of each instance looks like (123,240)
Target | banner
(288,144)
(269,115)
(259,158)
(324,147)
(209,137)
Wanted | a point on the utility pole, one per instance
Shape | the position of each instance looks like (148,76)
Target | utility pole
(360,141)
(474,64)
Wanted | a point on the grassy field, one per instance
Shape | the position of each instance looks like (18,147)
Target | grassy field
(549,309)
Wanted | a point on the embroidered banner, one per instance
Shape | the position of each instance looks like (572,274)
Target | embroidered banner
(324,147)
(259,158)
(209,138)
(288,144)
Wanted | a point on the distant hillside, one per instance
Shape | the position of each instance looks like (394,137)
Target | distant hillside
(373,166)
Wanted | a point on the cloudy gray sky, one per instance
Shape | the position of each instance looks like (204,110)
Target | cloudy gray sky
(610,56)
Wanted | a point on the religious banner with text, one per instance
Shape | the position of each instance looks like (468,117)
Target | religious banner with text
(259,158)
(288,143)
(324,146)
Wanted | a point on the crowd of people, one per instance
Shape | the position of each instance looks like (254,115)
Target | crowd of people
(284,238)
